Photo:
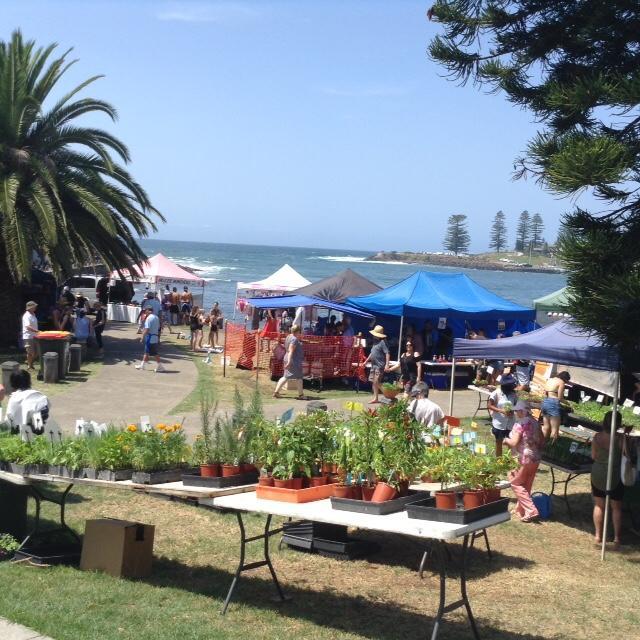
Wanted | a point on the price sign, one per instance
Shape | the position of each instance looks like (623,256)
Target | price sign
(480,448)
(600,398)
(145,423)
(499,379)
(79,426)
(437,431)
(466,437)
(474,426)
(628,403)
(442,323)
(566,393)
(358,406)
(489,370)
(636,410)
(581,393)
(586,398)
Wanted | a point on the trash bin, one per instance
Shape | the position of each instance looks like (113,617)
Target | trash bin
(56,342)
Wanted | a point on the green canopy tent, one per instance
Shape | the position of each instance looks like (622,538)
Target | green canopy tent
(551,307)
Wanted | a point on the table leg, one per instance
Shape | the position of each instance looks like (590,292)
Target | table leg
(570,477)
(475,413)
(266,562)
(443,607)
(482,534)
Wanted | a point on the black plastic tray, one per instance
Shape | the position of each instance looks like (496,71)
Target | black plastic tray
(196,480)
(377,508)
(426,510)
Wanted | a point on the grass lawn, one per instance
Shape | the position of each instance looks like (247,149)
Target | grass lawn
(545,581)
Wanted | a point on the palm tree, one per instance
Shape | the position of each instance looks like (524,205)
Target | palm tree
(63,197)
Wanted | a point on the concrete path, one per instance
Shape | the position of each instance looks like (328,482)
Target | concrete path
(11,631)
(121,393)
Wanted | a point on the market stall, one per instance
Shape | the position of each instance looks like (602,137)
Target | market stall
(551,307)
(564,343)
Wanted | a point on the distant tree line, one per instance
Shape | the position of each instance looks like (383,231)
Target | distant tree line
(529,234)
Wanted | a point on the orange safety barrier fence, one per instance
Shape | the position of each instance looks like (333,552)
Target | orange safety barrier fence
(325,357)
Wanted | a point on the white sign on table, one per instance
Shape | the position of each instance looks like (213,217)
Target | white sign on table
(145,423)
(586,398)
(636,411)
(628,403)
(489,370)
(600,398)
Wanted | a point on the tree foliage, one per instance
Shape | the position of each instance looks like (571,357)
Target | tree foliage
(498,239)
(64,191)
(536,231)
(523,231)
(457,239)
(575,64)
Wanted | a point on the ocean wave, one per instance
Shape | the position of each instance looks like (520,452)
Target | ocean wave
(202,265)
(339,258)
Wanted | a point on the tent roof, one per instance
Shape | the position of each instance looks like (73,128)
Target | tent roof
(429,294)
(286,278)
(280,302)
(160,270)
(339,287)
(556,301)
(561,342)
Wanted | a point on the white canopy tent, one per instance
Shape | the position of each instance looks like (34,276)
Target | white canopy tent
(284,280)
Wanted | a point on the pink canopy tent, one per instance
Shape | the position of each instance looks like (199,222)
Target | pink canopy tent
(160,270)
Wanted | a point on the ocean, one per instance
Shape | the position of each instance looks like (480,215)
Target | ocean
(223,265)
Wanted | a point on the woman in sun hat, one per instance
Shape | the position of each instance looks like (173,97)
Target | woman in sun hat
(526,441)
(379,360)
(500,405)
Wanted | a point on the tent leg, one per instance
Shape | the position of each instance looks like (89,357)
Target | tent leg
(400,337)
(224,351)
(612,438)
(235,305)
(453,385)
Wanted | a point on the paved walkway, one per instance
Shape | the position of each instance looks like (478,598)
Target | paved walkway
(11,631)
(121,393)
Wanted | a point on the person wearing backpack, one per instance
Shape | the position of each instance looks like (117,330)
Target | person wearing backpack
(27,409)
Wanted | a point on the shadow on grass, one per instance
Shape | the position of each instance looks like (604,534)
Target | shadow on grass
(324,608)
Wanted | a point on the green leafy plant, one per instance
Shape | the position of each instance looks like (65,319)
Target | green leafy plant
(206,446)
(72,453)
(8,544)
(40,451)
(13,449)
(158,449)
(114,449)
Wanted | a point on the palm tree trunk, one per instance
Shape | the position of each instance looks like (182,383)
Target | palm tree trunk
(10,306)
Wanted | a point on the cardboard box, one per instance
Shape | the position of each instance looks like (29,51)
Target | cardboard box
(118,547)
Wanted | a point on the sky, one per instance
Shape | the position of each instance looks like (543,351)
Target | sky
(298,123)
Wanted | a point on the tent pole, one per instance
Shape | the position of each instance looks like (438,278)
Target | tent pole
(224,351)
(400,337)
(612,439)
(453,385)
(235,305)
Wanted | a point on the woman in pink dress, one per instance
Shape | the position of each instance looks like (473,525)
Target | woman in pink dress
(526,441)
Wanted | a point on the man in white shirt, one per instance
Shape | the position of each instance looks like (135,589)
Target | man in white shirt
(151,339)
(425,411)
(30,331)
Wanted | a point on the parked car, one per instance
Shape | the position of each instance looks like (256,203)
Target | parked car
(85,285)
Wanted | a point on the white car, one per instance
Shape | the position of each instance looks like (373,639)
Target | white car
(84,284)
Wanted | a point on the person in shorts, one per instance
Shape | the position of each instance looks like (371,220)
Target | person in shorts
(500,405)
(379,360)
(30,332)
(150,338)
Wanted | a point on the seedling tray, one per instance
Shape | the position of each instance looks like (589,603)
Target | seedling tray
(196,480)
(157,477)
(377,508)
(426,510)
(295,495)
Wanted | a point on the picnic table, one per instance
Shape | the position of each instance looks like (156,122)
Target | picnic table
(438,533)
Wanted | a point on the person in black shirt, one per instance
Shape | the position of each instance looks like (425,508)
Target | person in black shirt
(99,324)
(409,366)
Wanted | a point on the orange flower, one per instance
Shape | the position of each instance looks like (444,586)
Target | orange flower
(132,428)
(161,427)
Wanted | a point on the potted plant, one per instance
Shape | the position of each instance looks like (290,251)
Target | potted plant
(205,447)
(390,390)
(111,456)
(159,455)
(440,463)
(8,546)
(15,452)
(38,455)
(70,456)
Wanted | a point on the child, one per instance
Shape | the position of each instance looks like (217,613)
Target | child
(526,441)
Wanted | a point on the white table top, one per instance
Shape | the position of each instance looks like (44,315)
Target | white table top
(321,511)
(483,390)
(447,363)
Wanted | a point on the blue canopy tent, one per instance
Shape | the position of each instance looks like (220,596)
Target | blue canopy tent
(564,343)
(285,302)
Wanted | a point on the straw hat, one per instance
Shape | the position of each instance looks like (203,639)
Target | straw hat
(31,304)
(378,331)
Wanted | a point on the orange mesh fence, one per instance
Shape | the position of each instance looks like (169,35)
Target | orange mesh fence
(325,357)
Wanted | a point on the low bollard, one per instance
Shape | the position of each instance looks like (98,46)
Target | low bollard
(8,368)
(75,357)
(50,367)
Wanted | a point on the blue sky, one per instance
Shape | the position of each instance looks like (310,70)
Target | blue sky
(307,123)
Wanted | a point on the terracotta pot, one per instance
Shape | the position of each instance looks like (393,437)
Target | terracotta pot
(296,483)
(317,481)
(356,492)
(473,498)
(491,495)
(341,490)
(426,479)
(266,481)
(390,393)
(334,468)
(230,470)
(282,484)
(383,492)
(210,470)
(403,488)
(327,467)
(446,499)
(367,492)
(247,468)
(306,482)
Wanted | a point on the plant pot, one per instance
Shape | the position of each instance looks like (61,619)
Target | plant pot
(341,490)
(282,484)
(266,481)
(383,492)
(230,470)
(428,479)
(368,491)
(211,470)
(114,476)
(296,483)
(327,467)
(356,492)
(492,495)
(390,393)
(68,472)
(403,487)
(17,468)
(247,467)
(473,498)
(89,473)
(446,499)
(317,481)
